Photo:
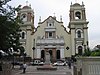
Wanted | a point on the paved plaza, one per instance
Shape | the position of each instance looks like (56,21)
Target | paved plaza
(32,70)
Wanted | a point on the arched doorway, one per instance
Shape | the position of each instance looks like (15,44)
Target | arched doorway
(42,54)
(50,51)
(58,54)
(80,50)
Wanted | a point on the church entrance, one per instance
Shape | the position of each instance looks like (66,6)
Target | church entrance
(52,53)
(42,54)
(58,54)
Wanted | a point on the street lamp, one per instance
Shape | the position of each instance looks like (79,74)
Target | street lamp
(33,51)
(24,56)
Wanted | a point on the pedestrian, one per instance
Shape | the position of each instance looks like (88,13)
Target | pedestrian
(24,67)
(69,64)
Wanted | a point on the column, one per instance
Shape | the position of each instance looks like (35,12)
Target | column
(45,52)
(38,53)
(62,53)
(54,54)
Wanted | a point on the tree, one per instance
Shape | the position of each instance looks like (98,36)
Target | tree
(92,53)
(95,53)
(9,26)
(87,52)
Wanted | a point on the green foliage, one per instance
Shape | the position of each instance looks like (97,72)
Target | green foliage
(9,27)
(3,2)
(91,53)
(95,53)
(87,52)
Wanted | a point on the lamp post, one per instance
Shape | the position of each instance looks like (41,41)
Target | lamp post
(33,51)
(24,56)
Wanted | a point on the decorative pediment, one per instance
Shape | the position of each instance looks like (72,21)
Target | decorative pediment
(50,19)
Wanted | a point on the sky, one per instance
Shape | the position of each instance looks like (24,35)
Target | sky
(46,8)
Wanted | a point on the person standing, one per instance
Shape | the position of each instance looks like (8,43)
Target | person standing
(69,64)
(24,67)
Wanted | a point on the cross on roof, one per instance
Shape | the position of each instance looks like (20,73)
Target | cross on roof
(54,14)
(27,3)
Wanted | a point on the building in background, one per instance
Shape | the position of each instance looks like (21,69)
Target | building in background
(52,36)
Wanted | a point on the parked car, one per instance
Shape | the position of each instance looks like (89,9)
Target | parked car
(36,62)
(41,63)
(59,63)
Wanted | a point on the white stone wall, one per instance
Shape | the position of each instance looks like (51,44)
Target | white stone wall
(89,65)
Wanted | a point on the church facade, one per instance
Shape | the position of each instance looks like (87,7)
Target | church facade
(51,35)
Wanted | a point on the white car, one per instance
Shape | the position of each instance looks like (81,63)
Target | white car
(41,63)
(59,63)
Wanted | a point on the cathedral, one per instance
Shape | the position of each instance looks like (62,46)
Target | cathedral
(51,35)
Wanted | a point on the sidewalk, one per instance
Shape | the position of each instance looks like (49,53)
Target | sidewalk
(31,70)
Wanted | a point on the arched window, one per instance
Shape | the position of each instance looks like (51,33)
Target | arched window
(24,17)
(79,34)
(58,54)
(78,15)
(23,35)
(80,50)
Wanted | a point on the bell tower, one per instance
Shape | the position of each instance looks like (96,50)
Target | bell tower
(26,14)
(77,12)
(78,28)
